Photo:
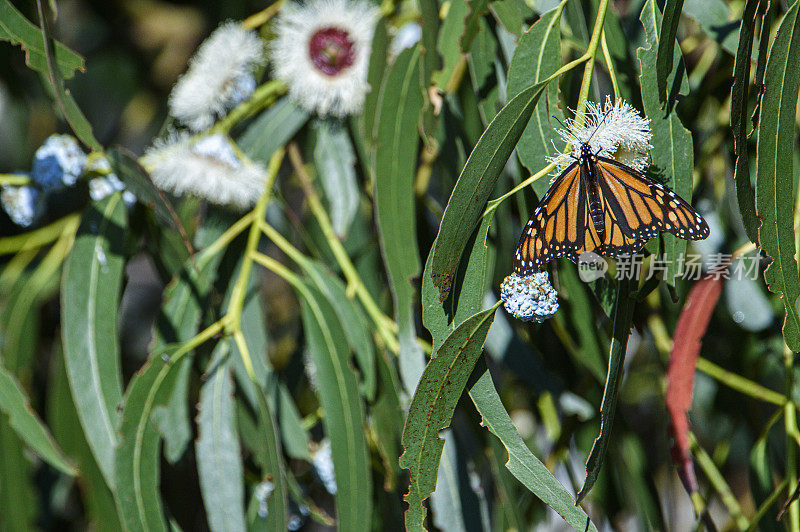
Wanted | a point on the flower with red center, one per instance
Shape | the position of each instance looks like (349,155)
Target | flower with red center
(322,51)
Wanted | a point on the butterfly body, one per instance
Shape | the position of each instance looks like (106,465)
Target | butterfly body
(600,205)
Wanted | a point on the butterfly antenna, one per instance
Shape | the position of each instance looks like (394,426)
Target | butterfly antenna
(566,128)
(605,115)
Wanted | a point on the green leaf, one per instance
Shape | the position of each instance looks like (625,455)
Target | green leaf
(353,320)
(64,101)
(384,415)
(138,181)
(18,30)
(18,497)
(364,124)
(272,129)
(90,294)
(23,420)
(538,55)
(511,14)
(581,317)
(185,301)
(431,59)
(137,461)
(448,43)
(335,162)
(672,151)
(395,168)
(477,8)
(482,69)
(522,463)
(775,173)
(623,314)
(666,45)
(272,469)
(745,194)
(344,411)
(476,182)
(715,17)
(62,418)
(472,277)
(762,475)
(432,407)
(219,462)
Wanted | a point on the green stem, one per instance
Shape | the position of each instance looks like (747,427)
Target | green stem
(355,285)
(227,237)
(610,65)
(39,237)
(263,97)
(718,482)
(739,383)
(15,179)
(588,70)
(262,17)
(236,304)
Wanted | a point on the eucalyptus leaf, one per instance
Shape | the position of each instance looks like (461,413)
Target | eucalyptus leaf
(432,406)
(475,184)
(219,463)
(774,171)
(335,162)
(536,57)
(91,285)
(672,153)
(344,411)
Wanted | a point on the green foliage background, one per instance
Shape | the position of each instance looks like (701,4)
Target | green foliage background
(150,385)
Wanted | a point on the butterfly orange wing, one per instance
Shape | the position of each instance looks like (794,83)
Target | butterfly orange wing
(644,207)
(556,226)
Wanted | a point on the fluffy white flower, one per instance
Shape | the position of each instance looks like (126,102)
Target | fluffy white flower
(208,168)
(322,458)
(322,52)
(58,163)
(24,204)
(529,298)
(407,36)
(616,128)
(220,76)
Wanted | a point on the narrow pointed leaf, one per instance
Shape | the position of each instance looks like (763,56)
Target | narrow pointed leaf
(344,417)
(745,194)
(18,30)
(538,56)
(672,154)
(522,463)
(395,167)
(137,461)
(689,332)
(623,314)
(475,184)
(219,462)
(90,293)
(335,162)
(774,179)
(23,420)
(432,406)
(666,45)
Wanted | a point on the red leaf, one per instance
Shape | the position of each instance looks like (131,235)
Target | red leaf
(689,331)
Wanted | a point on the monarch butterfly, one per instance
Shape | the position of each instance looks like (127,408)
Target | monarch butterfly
(601,205)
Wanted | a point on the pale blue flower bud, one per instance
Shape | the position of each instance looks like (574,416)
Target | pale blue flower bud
(24,204)
(58,163)
(529,298)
